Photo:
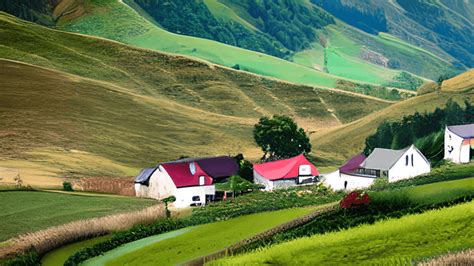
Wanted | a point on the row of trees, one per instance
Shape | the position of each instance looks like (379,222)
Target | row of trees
(424,128)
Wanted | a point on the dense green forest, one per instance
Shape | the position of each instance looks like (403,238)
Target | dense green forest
(422,129)
(283,26)
(33,10)
(360,15)
(456,35)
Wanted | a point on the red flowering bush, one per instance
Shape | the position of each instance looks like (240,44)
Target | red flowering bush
(354,200)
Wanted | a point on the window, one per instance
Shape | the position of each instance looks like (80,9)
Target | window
(196,198)
(202,180)
(412,163)
(406,160)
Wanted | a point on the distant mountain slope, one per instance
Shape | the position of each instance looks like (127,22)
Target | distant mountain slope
(443,27)
(359,57)
(350,138)
(90,106)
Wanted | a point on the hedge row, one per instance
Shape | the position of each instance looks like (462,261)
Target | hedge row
(343,219)
(443,173)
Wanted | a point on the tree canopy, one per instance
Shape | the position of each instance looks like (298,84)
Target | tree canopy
(279,137)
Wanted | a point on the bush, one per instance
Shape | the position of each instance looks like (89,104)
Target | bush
(355,200)
(379,184)
(67,186)
(26,259)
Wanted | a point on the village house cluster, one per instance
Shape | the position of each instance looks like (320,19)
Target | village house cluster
(192,180)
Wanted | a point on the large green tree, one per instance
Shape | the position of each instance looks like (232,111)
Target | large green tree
(279,137)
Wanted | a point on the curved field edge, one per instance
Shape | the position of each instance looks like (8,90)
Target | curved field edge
(202,239)
(392,241)
(60,255)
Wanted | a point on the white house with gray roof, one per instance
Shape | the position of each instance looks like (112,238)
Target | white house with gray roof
(459,143)
(395,164)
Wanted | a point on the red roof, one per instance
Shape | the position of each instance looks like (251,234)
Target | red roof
(282,169)
(181,174)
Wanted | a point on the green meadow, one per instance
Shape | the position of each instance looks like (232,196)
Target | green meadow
(28,211)
(393,241)
(117,21)
(189,243)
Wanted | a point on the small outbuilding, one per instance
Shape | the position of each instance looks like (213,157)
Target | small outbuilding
(459,143)
(285,173)
(190,180)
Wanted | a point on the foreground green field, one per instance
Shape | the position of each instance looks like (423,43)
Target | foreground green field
(192,242)
(395,241)
(27,211)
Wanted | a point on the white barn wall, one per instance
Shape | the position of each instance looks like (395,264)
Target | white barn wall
(457,155)
(401,171)
(335,181)
(185,195)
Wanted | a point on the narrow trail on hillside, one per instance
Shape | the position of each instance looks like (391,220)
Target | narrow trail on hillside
(330,110)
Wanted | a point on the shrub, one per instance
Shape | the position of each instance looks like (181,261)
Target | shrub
(355,200)
(67,186)
(24,259)
(380,184)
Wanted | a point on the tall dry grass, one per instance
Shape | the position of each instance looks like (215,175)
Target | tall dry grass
(461,258)
(57,236)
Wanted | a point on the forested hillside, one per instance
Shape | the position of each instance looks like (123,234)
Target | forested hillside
(441,26)
(278,27)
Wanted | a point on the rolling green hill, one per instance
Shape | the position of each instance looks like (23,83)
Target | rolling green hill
(442,27)
(345,56)
(82,106)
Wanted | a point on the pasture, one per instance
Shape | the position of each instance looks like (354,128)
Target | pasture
(28,211)
(394,241)
(188,243)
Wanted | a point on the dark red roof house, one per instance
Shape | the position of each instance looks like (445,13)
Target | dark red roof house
(285,173)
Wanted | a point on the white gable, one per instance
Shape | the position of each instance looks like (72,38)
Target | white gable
(412,163)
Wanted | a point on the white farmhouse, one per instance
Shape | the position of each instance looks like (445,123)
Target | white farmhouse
(189,180)
(395,164)
(459,143)
(361,172)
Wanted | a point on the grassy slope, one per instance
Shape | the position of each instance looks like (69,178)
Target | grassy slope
(345,44)
(27,211)
(350,138)
(116,21)
(91,127)
(395,241)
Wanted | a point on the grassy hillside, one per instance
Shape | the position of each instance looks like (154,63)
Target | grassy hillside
(112,109)
(394,241)
(349,139)
(117,21)
(442,27)
(20,216)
